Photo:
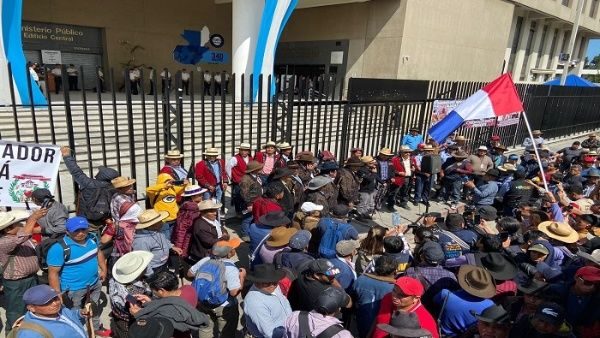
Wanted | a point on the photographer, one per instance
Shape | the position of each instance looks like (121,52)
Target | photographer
(53,223)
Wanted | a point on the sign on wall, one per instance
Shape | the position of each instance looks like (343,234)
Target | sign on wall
(51,57)
(25,167)
(66,38)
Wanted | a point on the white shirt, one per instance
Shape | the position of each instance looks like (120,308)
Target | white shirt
(56,71)
(217,226)
(218,78)
(185,76)
(72,71)
(207,77)
(164,74)
(406,163)
(232,163)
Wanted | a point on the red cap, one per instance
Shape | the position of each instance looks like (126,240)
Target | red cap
(589,273)
(495,138)
(410,286)
(589,159)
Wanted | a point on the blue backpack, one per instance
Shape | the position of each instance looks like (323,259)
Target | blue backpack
(210,283)
(334,232)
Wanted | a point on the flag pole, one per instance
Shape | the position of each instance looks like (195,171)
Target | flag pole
(535,149)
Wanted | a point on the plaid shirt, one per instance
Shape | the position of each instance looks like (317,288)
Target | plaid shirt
(24,262)
(430,275)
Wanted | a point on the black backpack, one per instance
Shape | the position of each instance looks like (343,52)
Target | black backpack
(42,250)
(97,208)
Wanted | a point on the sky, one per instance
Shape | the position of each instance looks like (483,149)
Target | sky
(593,48)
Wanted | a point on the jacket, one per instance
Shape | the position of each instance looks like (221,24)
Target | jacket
(207,177)
(87,185)
(204,236)
(164,197)
(182,233)
(348,183)
(54,221)
(69,324)
(391,170)
(317,323)
(181,314)
(239,170)
(263,206)
(319,197)
(331,192)
(398,164)
(250,188)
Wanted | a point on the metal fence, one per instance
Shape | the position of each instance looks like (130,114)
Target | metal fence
(129,129)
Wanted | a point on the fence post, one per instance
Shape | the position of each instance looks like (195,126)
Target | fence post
(290,110)
(344,140)
(130,137)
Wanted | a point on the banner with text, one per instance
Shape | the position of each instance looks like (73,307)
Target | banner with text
(441,108)
(25,167)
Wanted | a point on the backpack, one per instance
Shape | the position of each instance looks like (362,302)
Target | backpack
(42,249)
(210,283)
(20,324)
(304,328)
(98,207)
(334,233)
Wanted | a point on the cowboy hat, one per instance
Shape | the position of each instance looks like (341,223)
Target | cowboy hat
(501,147)
(121,182)
(328,166)
(284,145)
(507,167)
(404,324)
(482,148)
(245,145)
(531,286)
(265,273)
(270,144)
(492,172)
(131,265)
(274,219)
(193,190)
(318,182)
(476,281)
(592,135)
(9,218)
(492,314)
(497,265)
(459,138)
(367,159)
(280,173)
(353,162)
(253,166)
(460,154)
(209,204)
(280,236)
(211,152)
(495,138)
(305,156)
(405,149)
(559,231)
(174,153)
(537,132)
(386,152)
(150,217)
(594,257)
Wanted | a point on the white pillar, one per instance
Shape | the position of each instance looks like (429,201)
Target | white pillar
(543,64)
(511,37)
(582,50)
(535,46)
(246,17)
(520,54)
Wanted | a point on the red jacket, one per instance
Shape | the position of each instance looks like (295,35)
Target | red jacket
(239,170)
(399,166)
(386,308)
(205,175)
(262,206)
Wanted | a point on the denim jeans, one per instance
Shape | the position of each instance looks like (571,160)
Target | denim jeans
(217,194)
(223,321)
(245,226)
(422,188)
(13,297)
(77,298)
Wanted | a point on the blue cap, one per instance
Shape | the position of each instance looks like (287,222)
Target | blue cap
(39,295)
(300,240)
(513,157)
(76,223)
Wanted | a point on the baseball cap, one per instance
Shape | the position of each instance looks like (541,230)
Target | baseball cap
(300,240)
(323,266)
(513,157)
(331,299)
(310,207)
(340,210)
(39,295)
(76,223)
(410,286)
(222,248)
(41,194)
(345,248)
(488,213)
(432,252)
(589,274)
(551,313)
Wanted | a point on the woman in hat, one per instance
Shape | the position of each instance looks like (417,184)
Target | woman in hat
(174,165)
(163,197)
(268,158)
(149,238)
(124,192)
(206,231)
(188,212)
(285,155)
(122,232)
(127,279)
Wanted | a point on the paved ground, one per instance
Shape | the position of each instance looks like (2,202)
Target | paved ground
(382,218)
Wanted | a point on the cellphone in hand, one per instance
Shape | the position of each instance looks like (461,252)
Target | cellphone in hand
(178,182)
(132,300)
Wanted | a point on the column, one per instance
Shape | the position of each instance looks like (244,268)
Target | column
(543,64)
(582,50)
(511,37)
(246,17)
(557,49)
(535,46)
(520,54)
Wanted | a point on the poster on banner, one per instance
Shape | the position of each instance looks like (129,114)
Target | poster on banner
(441,108)
(508,120)
(25,167)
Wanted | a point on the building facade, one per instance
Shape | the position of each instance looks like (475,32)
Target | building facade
(463,40)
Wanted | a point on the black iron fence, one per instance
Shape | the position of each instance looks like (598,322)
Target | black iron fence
(129,120)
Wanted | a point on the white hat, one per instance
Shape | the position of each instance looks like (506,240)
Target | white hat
(193,190)
(9,218)
(211,152)
(310,207)
(245,145)
(131,265)
(482,148)
(150,217)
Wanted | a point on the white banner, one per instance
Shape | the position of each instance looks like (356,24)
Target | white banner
(441,108)
(25,167)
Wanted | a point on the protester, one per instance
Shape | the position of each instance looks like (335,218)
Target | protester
(53,222)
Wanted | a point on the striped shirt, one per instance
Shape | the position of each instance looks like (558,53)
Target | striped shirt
(24,262)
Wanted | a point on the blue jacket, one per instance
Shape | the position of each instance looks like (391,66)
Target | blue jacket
(412,141)
(367,292)
(68,324)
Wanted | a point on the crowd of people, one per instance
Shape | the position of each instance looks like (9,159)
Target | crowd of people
(517,254)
